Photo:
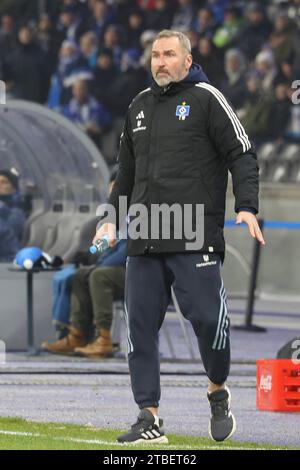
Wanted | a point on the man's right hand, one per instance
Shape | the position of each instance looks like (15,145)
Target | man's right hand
(107,229)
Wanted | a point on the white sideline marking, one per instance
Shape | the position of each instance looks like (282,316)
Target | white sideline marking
(109,443)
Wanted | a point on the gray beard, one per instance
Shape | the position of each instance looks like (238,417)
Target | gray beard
(163,81)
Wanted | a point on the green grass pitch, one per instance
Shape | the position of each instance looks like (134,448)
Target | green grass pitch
(18,434)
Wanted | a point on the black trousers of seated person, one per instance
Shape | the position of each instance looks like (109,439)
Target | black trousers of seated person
(199,289)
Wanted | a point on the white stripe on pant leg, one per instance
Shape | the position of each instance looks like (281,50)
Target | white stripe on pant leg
(226,325)
(220,317)
(222,331)
(239,130)
(220,338)
(222,289)
(221,320)
(129,342)
(225,333)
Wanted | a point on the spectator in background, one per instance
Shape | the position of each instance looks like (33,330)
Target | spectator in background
(113,40)
(8,36)
(193,37)
(70,23)
(135,28)
(161,16)
(89,48)
(256,111)
(146,41)
(205,24)
(55,7)
(265,28)
(27,68)
(123,8)
(234,83)
(102,16)
(70,64)
(26,10)
(85,111)
(217,8)
(49,39)
(285,72)
(12,215)
(130,82)
(255,33)
(184,15)
(105,75)
(266,67)
(282,37)
(294,11)
(229,29)
(280,112)
(208,56)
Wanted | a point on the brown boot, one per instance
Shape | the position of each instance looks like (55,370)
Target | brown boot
(76,338)
(102,347)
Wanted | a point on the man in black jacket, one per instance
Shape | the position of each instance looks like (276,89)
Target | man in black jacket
(180,138)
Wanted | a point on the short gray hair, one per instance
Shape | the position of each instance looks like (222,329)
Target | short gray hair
(183,39)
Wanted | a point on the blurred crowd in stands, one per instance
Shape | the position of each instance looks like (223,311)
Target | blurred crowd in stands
(88,59)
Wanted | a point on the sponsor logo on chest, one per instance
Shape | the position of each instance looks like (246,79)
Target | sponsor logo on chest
(139,122)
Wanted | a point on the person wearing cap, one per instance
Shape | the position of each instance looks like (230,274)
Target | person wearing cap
(12,215)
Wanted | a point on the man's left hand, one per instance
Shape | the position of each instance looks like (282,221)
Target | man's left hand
(251,221)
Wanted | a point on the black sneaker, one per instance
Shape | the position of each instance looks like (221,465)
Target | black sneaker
(147,429)
(222,422)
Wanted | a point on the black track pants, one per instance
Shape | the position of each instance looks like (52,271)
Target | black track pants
(200,293)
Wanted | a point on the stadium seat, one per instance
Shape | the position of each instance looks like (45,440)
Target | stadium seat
(37,210)
(68,238)
(267,151)
(290,153)
(280,173)
(295,173)
(267,154)
(41,228)
(82,238)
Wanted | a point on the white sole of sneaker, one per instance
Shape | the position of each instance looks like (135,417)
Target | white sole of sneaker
(158,440)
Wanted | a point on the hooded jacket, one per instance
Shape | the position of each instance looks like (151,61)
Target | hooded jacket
(177,146)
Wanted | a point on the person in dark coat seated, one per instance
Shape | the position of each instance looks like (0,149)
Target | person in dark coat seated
(12,215)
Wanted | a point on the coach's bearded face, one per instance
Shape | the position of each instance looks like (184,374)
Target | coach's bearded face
(170,62)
